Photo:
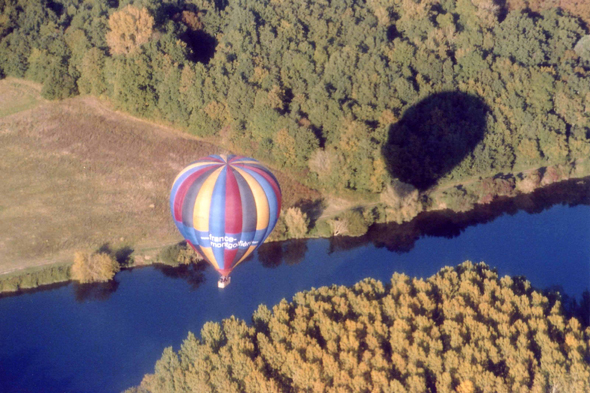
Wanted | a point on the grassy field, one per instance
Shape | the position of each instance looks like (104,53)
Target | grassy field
(77,175)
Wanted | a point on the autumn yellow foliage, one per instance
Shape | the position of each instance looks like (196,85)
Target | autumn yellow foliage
(297,222)
(462,330)
(97,267)
(130,28)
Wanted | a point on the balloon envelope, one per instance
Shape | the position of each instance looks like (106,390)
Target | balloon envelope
(225,207)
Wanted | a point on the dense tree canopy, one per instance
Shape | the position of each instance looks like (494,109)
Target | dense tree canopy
(317,85)
(461,330)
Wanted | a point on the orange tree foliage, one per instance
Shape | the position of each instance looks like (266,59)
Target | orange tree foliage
(130,28)
(461,330)
(94,267)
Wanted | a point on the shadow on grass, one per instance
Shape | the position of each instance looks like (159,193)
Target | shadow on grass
(312,208)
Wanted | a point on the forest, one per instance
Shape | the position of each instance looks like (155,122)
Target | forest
(462,330)
(350,96)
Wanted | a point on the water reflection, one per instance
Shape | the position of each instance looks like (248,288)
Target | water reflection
(270,255)
(401,238)
(191,273)
(95,291)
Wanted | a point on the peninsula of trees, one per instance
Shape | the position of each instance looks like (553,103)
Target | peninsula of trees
(462,330)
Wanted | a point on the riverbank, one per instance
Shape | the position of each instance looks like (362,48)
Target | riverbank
(127,323)
(395,237)
(82,176)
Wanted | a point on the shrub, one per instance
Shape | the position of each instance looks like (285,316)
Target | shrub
(529,182)
(297,222)
(354,222)
(178,254)
(94,267)
(582,48)
(35,277)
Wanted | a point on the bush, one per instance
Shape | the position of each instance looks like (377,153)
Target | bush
(297,222)
(178,254)
(582,48)
(94,267)
(354,222)
(321,229)
(36,277)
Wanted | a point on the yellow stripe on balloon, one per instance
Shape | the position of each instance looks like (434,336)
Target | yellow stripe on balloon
(262,208)
(210,257)
(203,203)
(196,165)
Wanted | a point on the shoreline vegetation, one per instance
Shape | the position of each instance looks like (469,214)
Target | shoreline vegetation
(462,330)
(371,112)
(572,191)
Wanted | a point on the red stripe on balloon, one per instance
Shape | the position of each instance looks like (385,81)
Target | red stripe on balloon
(233,204)
(270,180)
(228,257)
(183,189)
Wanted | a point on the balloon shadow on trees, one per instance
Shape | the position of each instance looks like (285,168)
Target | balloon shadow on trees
(434,136)
(201,44)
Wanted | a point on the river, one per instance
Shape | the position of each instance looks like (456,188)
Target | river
(105,338)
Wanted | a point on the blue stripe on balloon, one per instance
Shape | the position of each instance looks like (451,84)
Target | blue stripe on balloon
(203,239)
(259,237)
(217,216)
(273,205)
(187,232)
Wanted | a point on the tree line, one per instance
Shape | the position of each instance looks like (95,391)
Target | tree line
(318,87)
(462,330)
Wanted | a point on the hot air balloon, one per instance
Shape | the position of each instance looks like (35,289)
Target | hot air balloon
(225,207)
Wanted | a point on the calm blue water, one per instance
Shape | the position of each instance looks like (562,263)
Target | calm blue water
(69,339)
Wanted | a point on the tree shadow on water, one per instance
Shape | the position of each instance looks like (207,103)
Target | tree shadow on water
(291,252)
(192,273)
(434,136)
(95,291)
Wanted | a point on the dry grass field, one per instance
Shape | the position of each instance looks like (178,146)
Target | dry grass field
(76,175)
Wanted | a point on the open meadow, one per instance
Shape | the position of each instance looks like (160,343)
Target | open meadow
(77,175)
